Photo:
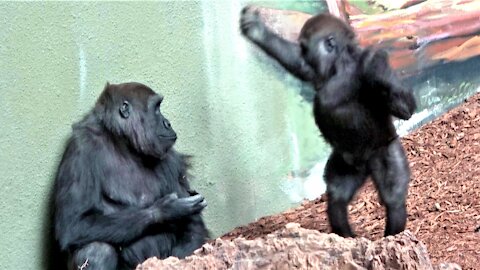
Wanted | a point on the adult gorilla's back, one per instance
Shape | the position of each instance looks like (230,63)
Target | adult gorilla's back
(121,191)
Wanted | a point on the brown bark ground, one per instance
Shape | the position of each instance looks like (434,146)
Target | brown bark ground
(444,194)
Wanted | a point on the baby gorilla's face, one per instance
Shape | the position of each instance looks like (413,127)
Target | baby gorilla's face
(323,39)
(320,52)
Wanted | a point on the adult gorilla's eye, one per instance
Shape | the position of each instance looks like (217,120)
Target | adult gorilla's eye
(157,108)
(125,110)
(330,43)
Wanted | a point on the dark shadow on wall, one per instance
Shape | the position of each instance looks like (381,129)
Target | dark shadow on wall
(53,259)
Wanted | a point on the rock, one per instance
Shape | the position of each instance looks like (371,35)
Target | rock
(296,248)
(448,266)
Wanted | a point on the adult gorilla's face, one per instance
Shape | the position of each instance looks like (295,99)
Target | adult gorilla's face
(132,111)
(161,128)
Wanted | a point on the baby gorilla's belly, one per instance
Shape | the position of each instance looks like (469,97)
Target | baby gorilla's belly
(346,139)
(355,133)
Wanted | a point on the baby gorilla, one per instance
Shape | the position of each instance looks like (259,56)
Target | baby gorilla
(356,95)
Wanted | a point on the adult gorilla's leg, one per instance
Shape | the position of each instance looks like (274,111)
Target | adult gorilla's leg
(95,256)
(194,236)
(343,180)
(391,174)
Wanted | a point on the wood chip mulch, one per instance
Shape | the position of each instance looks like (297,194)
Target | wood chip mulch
(444,193)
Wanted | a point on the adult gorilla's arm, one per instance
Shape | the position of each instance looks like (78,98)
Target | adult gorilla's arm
(287,53)
(378,74)
(78,212)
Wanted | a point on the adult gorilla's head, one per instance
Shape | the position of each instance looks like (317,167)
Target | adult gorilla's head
(131,111)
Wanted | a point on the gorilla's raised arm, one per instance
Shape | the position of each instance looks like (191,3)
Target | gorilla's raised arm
(287,53)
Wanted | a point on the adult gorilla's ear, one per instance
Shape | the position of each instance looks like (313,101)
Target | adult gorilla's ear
(125,110)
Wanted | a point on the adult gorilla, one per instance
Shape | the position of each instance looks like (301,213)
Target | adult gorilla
(121,191)
(356,96)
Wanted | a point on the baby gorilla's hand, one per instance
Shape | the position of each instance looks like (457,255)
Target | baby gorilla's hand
(251,24)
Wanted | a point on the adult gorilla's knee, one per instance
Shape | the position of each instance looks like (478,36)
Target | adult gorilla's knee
(95,256)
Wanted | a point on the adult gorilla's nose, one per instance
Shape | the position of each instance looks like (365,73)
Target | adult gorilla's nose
(167,124)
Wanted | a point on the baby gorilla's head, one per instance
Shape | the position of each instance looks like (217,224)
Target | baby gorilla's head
(323,39)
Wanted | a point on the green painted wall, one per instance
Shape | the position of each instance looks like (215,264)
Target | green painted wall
(232,111)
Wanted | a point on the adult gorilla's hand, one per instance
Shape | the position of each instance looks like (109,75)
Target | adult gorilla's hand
(170,207)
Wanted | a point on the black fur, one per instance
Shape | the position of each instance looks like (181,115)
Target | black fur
(121,192)
(357,94)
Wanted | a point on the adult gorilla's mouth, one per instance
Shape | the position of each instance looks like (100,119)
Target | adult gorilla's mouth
(168,137)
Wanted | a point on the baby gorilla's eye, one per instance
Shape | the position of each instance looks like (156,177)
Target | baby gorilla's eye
(330,44)
(303,48)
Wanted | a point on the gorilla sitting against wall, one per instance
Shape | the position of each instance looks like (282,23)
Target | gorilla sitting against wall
(356,95)
(121,190)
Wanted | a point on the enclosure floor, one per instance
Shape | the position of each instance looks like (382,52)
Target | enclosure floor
(444,194)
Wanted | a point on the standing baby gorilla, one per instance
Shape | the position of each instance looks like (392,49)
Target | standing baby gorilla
(121,192)
(356,95)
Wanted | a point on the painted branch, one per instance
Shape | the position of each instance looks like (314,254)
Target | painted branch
(424,23)
(337,8)
(394,4)
(423,35)
(285,23)
(418,36)
(410,3)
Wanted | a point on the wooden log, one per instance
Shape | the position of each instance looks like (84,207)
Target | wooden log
(466,48)
(426,22)
(337,8)
(395,4)
(422,34)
